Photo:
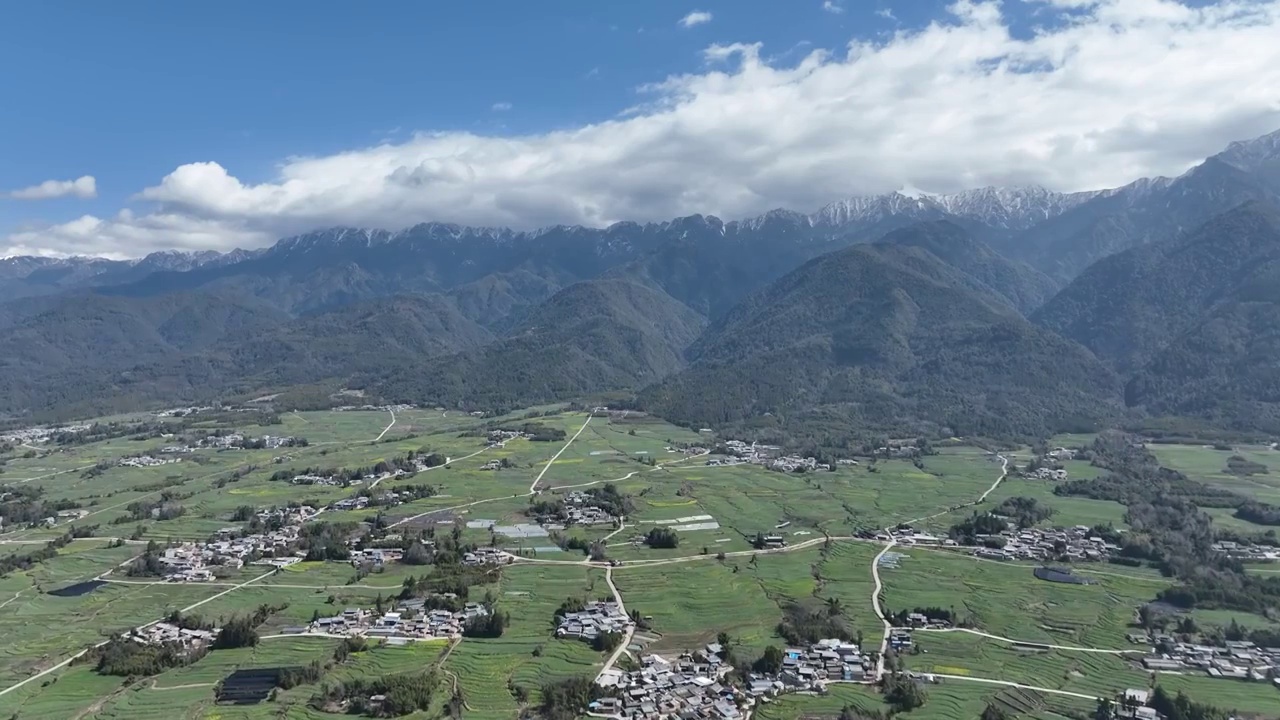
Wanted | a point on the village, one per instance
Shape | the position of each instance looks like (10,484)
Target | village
(754,453)
(1234,660)
(231,548)
(596,619)
(1073,544)
(411,620)
(27,436)
(233,441)
(146,461)
(694,685)
(166,633)
(1247,552)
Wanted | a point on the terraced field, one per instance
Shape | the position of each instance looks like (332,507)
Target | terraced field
(686,595)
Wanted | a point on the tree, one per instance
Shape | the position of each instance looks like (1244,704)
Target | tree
(1104,710)
(834,606)
(903,693)
(606,642)
(417,554)
(236,633)
(566,699)
(662,537)
(769,663)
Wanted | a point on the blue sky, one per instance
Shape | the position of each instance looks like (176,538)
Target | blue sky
(128,93)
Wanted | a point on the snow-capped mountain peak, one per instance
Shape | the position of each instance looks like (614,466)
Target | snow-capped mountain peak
(1250,155)
(1014,208)
(869,208)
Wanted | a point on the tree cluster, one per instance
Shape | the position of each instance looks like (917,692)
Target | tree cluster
(126,658)
(567,699)
(804,626)
(402,694)
(662,537)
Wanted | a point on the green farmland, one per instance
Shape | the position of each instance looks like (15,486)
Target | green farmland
(713,582)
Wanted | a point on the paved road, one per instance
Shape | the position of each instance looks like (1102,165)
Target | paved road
(534,487)
(71,659)
(1011,641)
(1007,683)
(613,659)
(389,425)
(446,463)
(631,630)
(875,563)
(473,503)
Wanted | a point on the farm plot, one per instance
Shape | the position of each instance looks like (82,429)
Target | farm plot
(1006,600)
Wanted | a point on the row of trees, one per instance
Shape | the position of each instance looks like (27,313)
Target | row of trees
(1168,529)
(400,694)
(27,560)
(25,504)
(409,462)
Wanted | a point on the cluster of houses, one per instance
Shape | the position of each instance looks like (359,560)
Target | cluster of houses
(767,456)
(692,686)
(1132,705)
(39,434)
(580,509)
(387,498)
(164,633)
(308,479)
(183,411)
(1060,454)
(900,639)
(147,461)
(1238,660)
(381,408)
(1247,552)
(1045,473)
(359,502)
(492,465)
(899,449)
(795,463)
(1073,544)
(486,556)
(499,438)
(194,562)
(232,441)
(411,620)
(1045,470)
(376,556)
(751,452)
(811,668)
(599,617)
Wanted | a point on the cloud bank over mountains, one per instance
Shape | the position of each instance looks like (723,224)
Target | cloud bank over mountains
(1102,93)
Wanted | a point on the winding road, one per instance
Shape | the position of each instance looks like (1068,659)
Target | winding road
(893,541)
(631,629)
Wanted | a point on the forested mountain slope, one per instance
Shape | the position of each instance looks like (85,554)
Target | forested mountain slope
(885,336)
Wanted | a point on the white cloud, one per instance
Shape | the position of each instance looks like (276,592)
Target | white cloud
(887,14)
(832,7)
(82,187)
(697,17)
(1110,91)
(501,106)
(128,235)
